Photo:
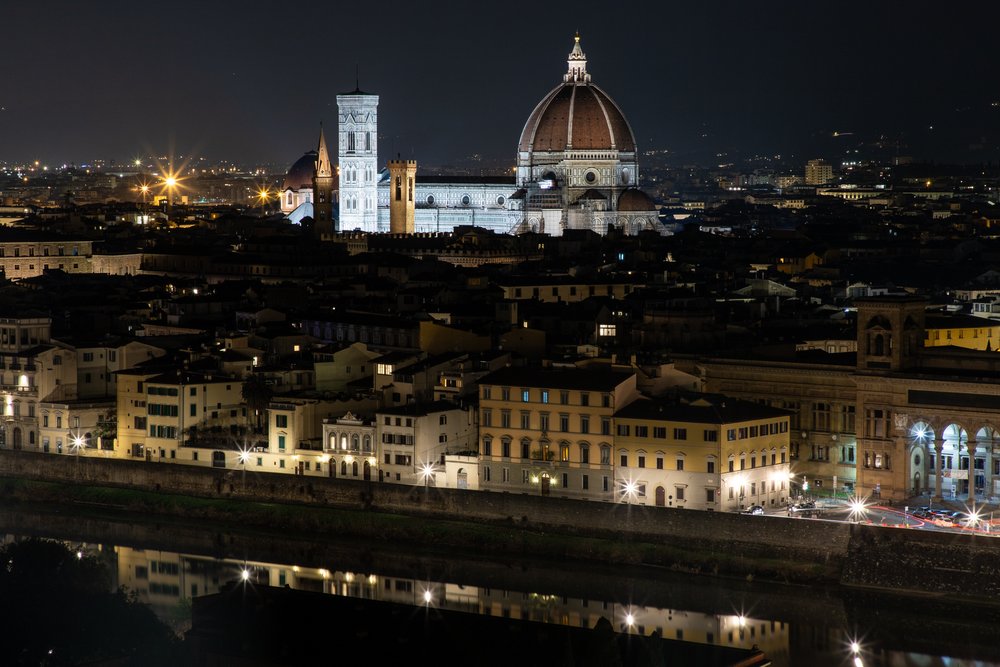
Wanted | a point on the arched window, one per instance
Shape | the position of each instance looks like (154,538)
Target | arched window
(879,350)
(343,468)
(367,443)
(333,440)
(354,468)
(355,442)
(564,451)
(605,454)
(584,453)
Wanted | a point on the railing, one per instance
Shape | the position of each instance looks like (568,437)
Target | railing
(18,388)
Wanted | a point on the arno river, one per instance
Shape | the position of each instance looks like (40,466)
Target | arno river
(167,565)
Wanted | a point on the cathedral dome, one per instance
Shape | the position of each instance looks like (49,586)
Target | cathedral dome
(577,115)
(300,175)
(634,199)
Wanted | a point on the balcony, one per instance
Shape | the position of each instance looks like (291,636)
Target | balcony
(18,389)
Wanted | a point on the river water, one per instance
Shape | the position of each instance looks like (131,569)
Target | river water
(168,564)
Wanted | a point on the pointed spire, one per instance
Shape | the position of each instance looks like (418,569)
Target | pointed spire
(323,167)
(576,63)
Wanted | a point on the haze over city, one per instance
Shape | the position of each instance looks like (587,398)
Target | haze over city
(709,82)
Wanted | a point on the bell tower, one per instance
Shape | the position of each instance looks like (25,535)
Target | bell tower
(890,332)
(358,155)
(402,177)
(323,226)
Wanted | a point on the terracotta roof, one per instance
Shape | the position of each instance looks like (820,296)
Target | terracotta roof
(634,199)
(576,116)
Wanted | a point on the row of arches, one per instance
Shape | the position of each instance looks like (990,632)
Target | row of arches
(350,442)
(949,457)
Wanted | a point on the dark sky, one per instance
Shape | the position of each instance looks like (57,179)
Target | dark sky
(251,80)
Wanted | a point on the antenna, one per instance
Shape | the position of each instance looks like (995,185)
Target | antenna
(357,76)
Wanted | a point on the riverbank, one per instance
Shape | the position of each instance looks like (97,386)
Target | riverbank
(510,539)
(518,526)
(932,624)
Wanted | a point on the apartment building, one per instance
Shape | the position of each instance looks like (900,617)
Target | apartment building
(550,431)
(414,439)
(160,412)
(705,452)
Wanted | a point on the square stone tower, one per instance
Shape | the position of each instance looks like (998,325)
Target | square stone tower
(358,169)
(402,176)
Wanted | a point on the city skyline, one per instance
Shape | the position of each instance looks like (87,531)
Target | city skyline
(723,82)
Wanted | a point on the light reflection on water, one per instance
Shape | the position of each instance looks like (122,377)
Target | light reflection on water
(167,581)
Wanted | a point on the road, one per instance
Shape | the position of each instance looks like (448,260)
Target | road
(883,516)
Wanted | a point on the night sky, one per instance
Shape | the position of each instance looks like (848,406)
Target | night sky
(250,81)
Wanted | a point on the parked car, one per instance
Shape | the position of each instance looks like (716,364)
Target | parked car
(754,509)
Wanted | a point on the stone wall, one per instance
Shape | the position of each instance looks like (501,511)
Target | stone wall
(753,535)
(888,558)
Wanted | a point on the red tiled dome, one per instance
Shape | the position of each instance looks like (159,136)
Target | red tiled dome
(577,116)
(634,199)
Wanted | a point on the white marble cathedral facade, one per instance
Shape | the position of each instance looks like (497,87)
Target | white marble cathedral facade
(577,168)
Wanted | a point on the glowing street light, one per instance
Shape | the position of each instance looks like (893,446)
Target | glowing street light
(244,454)
(426,473)
(77,442)
(263,196)
(170,184)
(973,519)
(859,507)
(629,490)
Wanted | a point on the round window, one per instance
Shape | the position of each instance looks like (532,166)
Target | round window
(500,200)
(430,199)
(466,200)
(590,176)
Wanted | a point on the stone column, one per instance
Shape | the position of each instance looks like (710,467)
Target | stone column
(939,468)
(988,473)
(971,449)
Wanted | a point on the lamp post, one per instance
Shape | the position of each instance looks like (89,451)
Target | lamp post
(263,196)
(244,456)
(77,442)
(144,189)
(859,507)
(426,472)
(170,182)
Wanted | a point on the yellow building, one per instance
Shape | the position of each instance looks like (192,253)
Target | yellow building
(159,411)
(709,453)
(550,431)
(974,333)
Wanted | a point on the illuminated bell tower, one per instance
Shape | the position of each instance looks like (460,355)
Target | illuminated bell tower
(358,144)
(402,174)
(323,191)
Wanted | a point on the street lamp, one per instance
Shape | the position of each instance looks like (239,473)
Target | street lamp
(859,507)
(629,489)
(426,472)
(169,183)
(77,442)
(263,196)
(244,457)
